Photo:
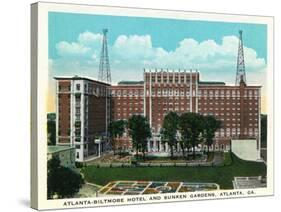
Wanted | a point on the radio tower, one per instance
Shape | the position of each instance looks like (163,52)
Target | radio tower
(240,72)
(104,69)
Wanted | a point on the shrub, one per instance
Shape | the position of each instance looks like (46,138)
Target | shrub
(123,154)
(79,165)
(227,158)
(134,161)
(62,181)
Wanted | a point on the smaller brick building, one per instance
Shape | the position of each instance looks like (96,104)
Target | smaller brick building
(83,114)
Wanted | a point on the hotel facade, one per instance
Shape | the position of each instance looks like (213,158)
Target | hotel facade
(181,91)
(86,106)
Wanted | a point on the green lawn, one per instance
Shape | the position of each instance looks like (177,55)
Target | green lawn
(223,175)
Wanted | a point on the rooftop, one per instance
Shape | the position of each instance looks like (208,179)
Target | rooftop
(211,83)
(141,83)
(54,149)
(76,77)
(130,83)
(167,70)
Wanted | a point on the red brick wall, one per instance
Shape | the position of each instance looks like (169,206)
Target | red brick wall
(64,111)
(97,115)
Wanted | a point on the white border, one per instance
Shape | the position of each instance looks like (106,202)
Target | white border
(42,67)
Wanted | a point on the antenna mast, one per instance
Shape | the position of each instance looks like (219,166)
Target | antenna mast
(240,71)
(104,68)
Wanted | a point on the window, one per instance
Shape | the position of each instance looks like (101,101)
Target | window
(159,92)
(136,93)
(171,79)
(170,92)
(78,87)
(216,92)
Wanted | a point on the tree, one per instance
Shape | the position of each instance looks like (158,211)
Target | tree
(263,130)
(139,130)
(51,128)
(191,126)
(169,130)
(185,140)
(210,125)
(184,127)
(62,181)
(116,130)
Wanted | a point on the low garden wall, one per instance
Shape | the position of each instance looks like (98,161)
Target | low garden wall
(188,164)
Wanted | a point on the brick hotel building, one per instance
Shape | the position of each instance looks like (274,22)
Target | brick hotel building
(85,107)
(83,113)
(161,91)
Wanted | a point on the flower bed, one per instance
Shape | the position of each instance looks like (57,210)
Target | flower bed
(150,191)
(185,189)
(114,193)
(156,184)
(173,185)
(105,189)
(148,187)
(164,189)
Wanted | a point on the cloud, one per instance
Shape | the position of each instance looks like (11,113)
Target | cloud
(129,54)
(66,49)
(86,47)
(88,38)
(133,47)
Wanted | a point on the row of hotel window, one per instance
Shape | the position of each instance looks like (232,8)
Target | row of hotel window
(88,88)
(233,124)
(124,109)
(226,132)
(160,103)
(175,108)
(170,78)
(233,132)
(251,130)
(101,90)
(171,103)
(130,113)
(171,92)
